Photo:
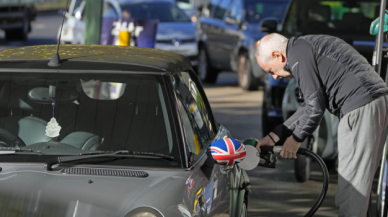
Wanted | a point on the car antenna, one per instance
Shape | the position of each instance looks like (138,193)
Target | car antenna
(55,60)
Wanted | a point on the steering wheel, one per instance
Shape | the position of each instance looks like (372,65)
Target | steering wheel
(8,139)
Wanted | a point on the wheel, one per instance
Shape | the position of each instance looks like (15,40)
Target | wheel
(19,34)
(268,123)
(265,124)
(332,165)
(302,163)
(8,139)
(205,72)
(246,80)
(244,211)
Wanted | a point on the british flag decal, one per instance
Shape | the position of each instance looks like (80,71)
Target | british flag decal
(228,151)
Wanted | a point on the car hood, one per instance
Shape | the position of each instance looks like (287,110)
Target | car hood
(29,190)
(169,31)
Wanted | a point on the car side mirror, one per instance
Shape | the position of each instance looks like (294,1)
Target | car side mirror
(269,25)
(230,20)
(229,151)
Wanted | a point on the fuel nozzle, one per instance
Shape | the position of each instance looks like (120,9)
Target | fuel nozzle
(267,155)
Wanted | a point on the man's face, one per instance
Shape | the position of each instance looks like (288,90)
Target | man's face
(275,66)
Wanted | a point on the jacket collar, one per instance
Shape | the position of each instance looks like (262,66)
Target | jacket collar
(289,44)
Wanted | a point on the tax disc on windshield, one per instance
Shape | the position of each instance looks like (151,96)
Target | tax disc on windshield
(251,160)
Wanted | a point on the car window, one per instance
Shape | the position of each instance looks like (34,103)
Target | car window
(80,113)
(256,10)
(77,3)
(109,11)
(236,10)
(162,11)
(221,9)
(208,11)
(195,115)
(338,18)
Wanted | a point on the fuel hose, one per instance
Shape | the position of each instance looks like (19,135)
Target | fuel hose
(307,152)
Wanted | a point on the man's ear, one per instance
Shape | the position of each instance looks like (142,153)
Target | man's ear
(279,56)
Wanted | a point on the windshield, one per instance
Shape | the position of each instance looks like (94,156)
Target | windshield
(162,11)
(345,19)
(259,9)
(73,114)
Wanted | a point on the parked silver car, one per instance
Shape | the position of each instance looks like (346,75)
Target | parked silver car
(111,131)
(324,139)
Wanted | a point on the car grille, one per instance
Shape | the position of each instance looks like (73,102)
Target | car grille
(105,172)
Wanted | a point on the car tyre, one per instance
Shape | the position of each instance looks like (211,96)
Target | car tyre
(18,34)
(205,72)
(244,210)
(302,163)
(265,123)
(268,123)
(246,80)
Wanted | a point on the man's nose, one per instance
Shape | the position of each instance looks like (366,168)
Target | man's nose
(275,77)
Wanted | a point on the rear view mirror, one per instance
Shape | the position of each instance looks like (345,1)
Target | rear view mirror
(269,25)
(44,95)
(230,20)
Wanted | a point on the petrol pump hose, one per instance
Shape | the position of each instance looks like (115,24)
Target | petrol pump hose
(302,151)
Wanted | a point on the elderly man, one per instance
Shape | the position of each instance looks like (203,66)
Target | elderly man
(332,75)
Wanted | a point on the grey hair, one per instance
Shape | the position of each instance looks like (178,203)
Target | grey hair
(270,43)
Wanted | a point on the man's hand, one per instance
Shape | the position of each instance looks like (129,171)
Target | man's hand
(290,148)
(267,141)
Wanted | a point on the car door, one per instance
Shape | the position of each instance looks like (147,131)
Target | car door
(213,197)
(207,26)
(218,30)
(232,33)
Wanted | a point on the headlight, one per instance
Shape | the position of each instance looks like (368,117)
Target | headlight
(144,212)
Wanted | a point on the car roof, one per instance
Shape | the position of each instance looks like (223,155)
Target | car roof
(140,57)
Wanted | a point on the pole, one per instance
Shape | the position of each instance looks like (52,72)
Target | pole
(380,37)
(93,21)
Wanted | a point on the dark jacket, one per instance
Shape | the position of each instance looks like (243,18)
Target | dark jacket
(331,75)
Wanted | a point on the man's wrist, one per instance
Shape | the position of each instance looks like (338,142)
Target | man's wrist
(274,137)
(296,138)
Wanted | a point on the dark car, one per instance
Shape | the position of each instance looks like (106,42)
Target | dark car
(349,20)
(227,34)
(111,131)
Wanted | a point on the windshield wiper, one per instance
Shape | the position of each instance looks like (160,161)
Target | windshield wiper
(50,163)
(13,150)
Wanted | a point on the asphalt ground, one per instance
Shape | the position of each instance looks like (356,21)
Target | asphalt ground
(275,192)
